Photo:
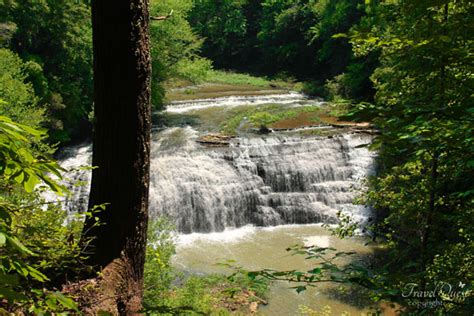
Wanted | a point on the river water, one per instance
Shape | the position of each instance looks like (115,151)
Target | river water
(250,200)
(255,248)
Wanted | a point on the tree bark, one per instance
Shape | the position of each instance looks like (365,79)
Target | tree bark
(121,152)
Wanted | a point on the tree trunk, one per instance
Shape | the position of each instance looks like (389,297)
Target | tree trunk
(121,152)
(429,218)
(434,172)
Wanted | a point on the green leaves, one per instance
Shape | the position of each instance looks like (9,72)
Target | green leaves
(16,90)
(52,303)
(66,302)
(3,239)
(315,271)
(299,289)
(19,161)
(174,48)
(59,85)
(17,245)
(11,295)
(23,169)
(423,101)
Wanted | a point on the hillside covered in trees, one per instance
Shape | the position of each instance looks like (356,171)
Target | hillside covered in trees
(199,84)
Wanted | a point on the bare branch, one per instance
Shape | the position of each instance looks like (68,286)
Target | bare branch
(163,17)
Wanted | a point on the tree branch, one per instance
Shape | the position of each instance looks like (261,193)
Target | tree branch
(163,17)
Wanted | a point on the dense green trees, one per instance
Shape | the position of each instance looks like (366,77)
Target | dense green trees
(424,107)
(54,38)
(285,37)
(14,89)
(174,47)
(223,25)
(54,41)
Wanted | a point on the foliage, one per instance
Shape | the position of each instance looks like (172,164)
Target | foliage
(52,234)
(233,78)
(159,274)
(55,39)
(174,47)
(195,69)
(423,108)
(286,37)
(23,249)
(14,89)
(223,25)
(245,279)
(194,294)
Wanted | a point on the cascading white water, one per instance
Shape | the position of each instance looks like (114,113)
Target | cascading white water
(265,181)
(262,181)
(76,160)
(291,98)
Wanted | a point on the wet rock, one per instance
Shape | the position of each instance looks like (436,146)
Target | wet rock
(263,130)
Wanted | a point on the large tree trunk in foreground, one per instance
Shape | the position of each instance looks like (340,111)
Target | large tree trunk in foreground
(121,152)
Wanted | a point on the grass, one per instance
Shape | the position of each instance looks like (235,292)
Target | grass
(228,77)
(220,83)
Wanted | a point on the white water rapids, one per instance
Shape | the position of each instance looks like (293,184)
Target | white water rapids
(291,98)
(262,180)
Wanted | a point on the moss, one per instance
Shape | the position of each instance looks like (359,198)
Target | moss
(271,115)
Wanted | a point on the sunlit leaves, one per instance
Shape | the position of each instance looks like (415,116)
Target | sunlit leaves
(21,166)
(54,39)
(15,88)
(423,101)
(174,48)
(18,161)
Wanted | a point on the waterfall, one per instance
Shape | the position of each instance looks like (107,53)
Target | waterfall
(291,98)
(264,181)
(261,180)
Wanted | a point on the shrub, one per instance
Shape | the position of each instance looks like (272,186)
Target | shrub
(30,239)
(20,104)
(158,271)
